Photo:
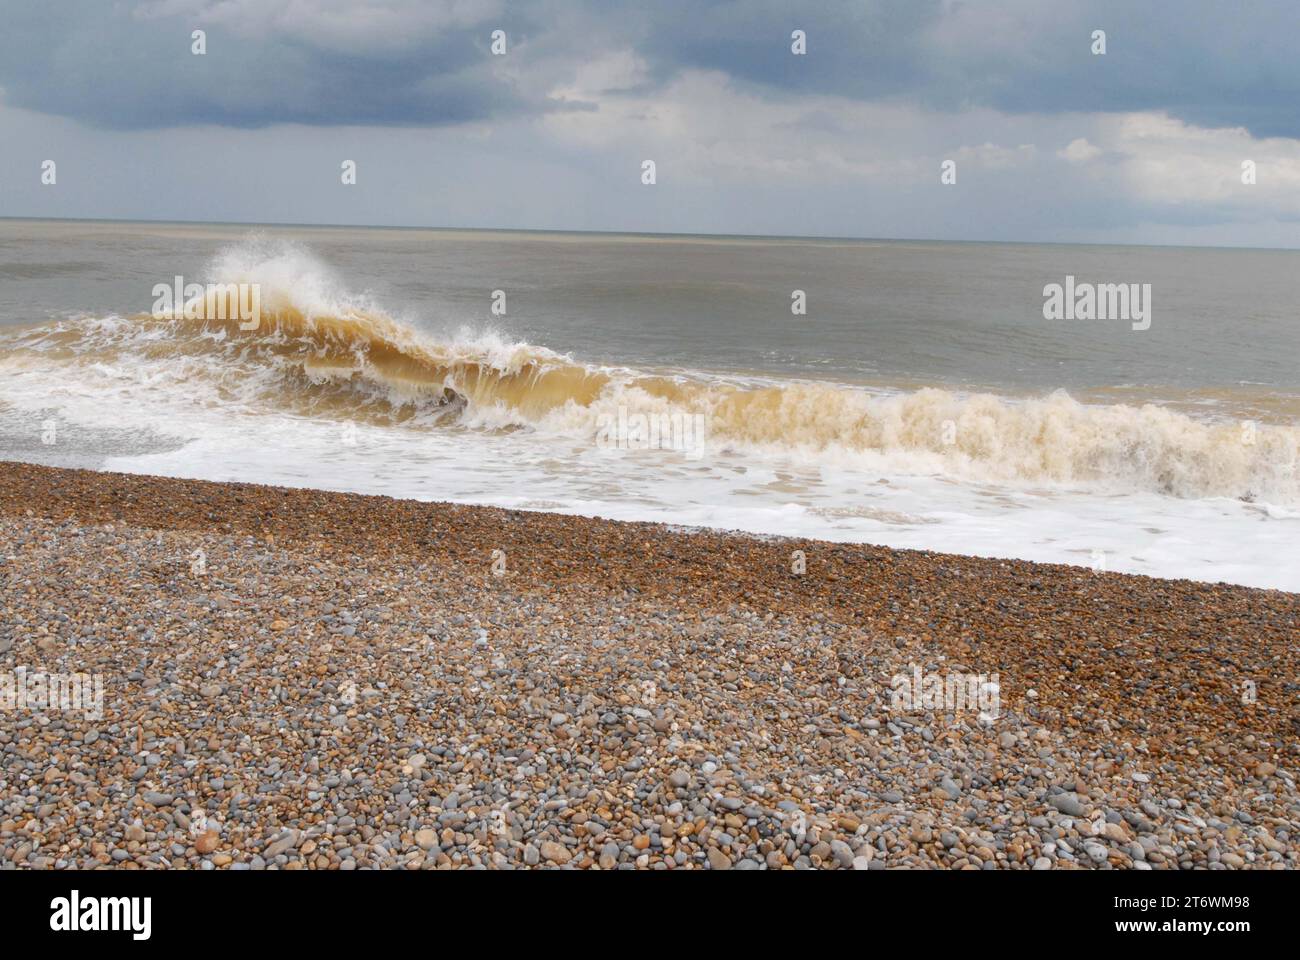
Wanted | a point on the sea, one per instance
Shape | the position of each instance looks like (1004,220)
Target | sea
(917,395)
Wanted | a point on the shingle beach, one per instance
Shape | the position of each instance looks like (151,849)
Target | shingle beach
(295,679)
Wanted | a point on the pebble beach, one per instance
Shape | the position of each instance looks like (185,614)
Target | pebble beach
(295,679)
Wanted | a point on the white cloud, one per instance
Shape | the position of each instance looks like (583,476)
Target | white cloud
(1162,160)
(1079,151)
(611,73)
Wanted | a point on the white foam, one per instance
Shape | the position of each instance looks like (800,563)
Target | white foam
(1207,540)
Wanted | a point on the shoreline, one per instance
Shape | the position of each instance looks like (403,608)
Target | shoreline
(623,695)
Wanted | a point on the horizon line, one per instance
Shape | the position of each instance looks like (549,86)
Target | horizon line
(827,238)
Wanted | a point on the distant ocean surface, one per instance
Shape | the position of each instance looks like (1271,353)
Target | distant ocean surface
(922,400)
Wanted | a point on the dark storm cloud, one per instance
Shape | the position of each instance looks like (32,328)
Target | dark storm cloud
(1204,61)
(108,65)
(404,63)
(860,50)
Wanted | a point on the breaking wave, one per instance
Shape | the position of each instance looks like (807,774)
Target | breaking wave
(319,351)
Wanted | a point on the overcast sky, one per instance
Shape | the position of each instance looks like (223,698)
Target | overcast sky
(1051,141)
